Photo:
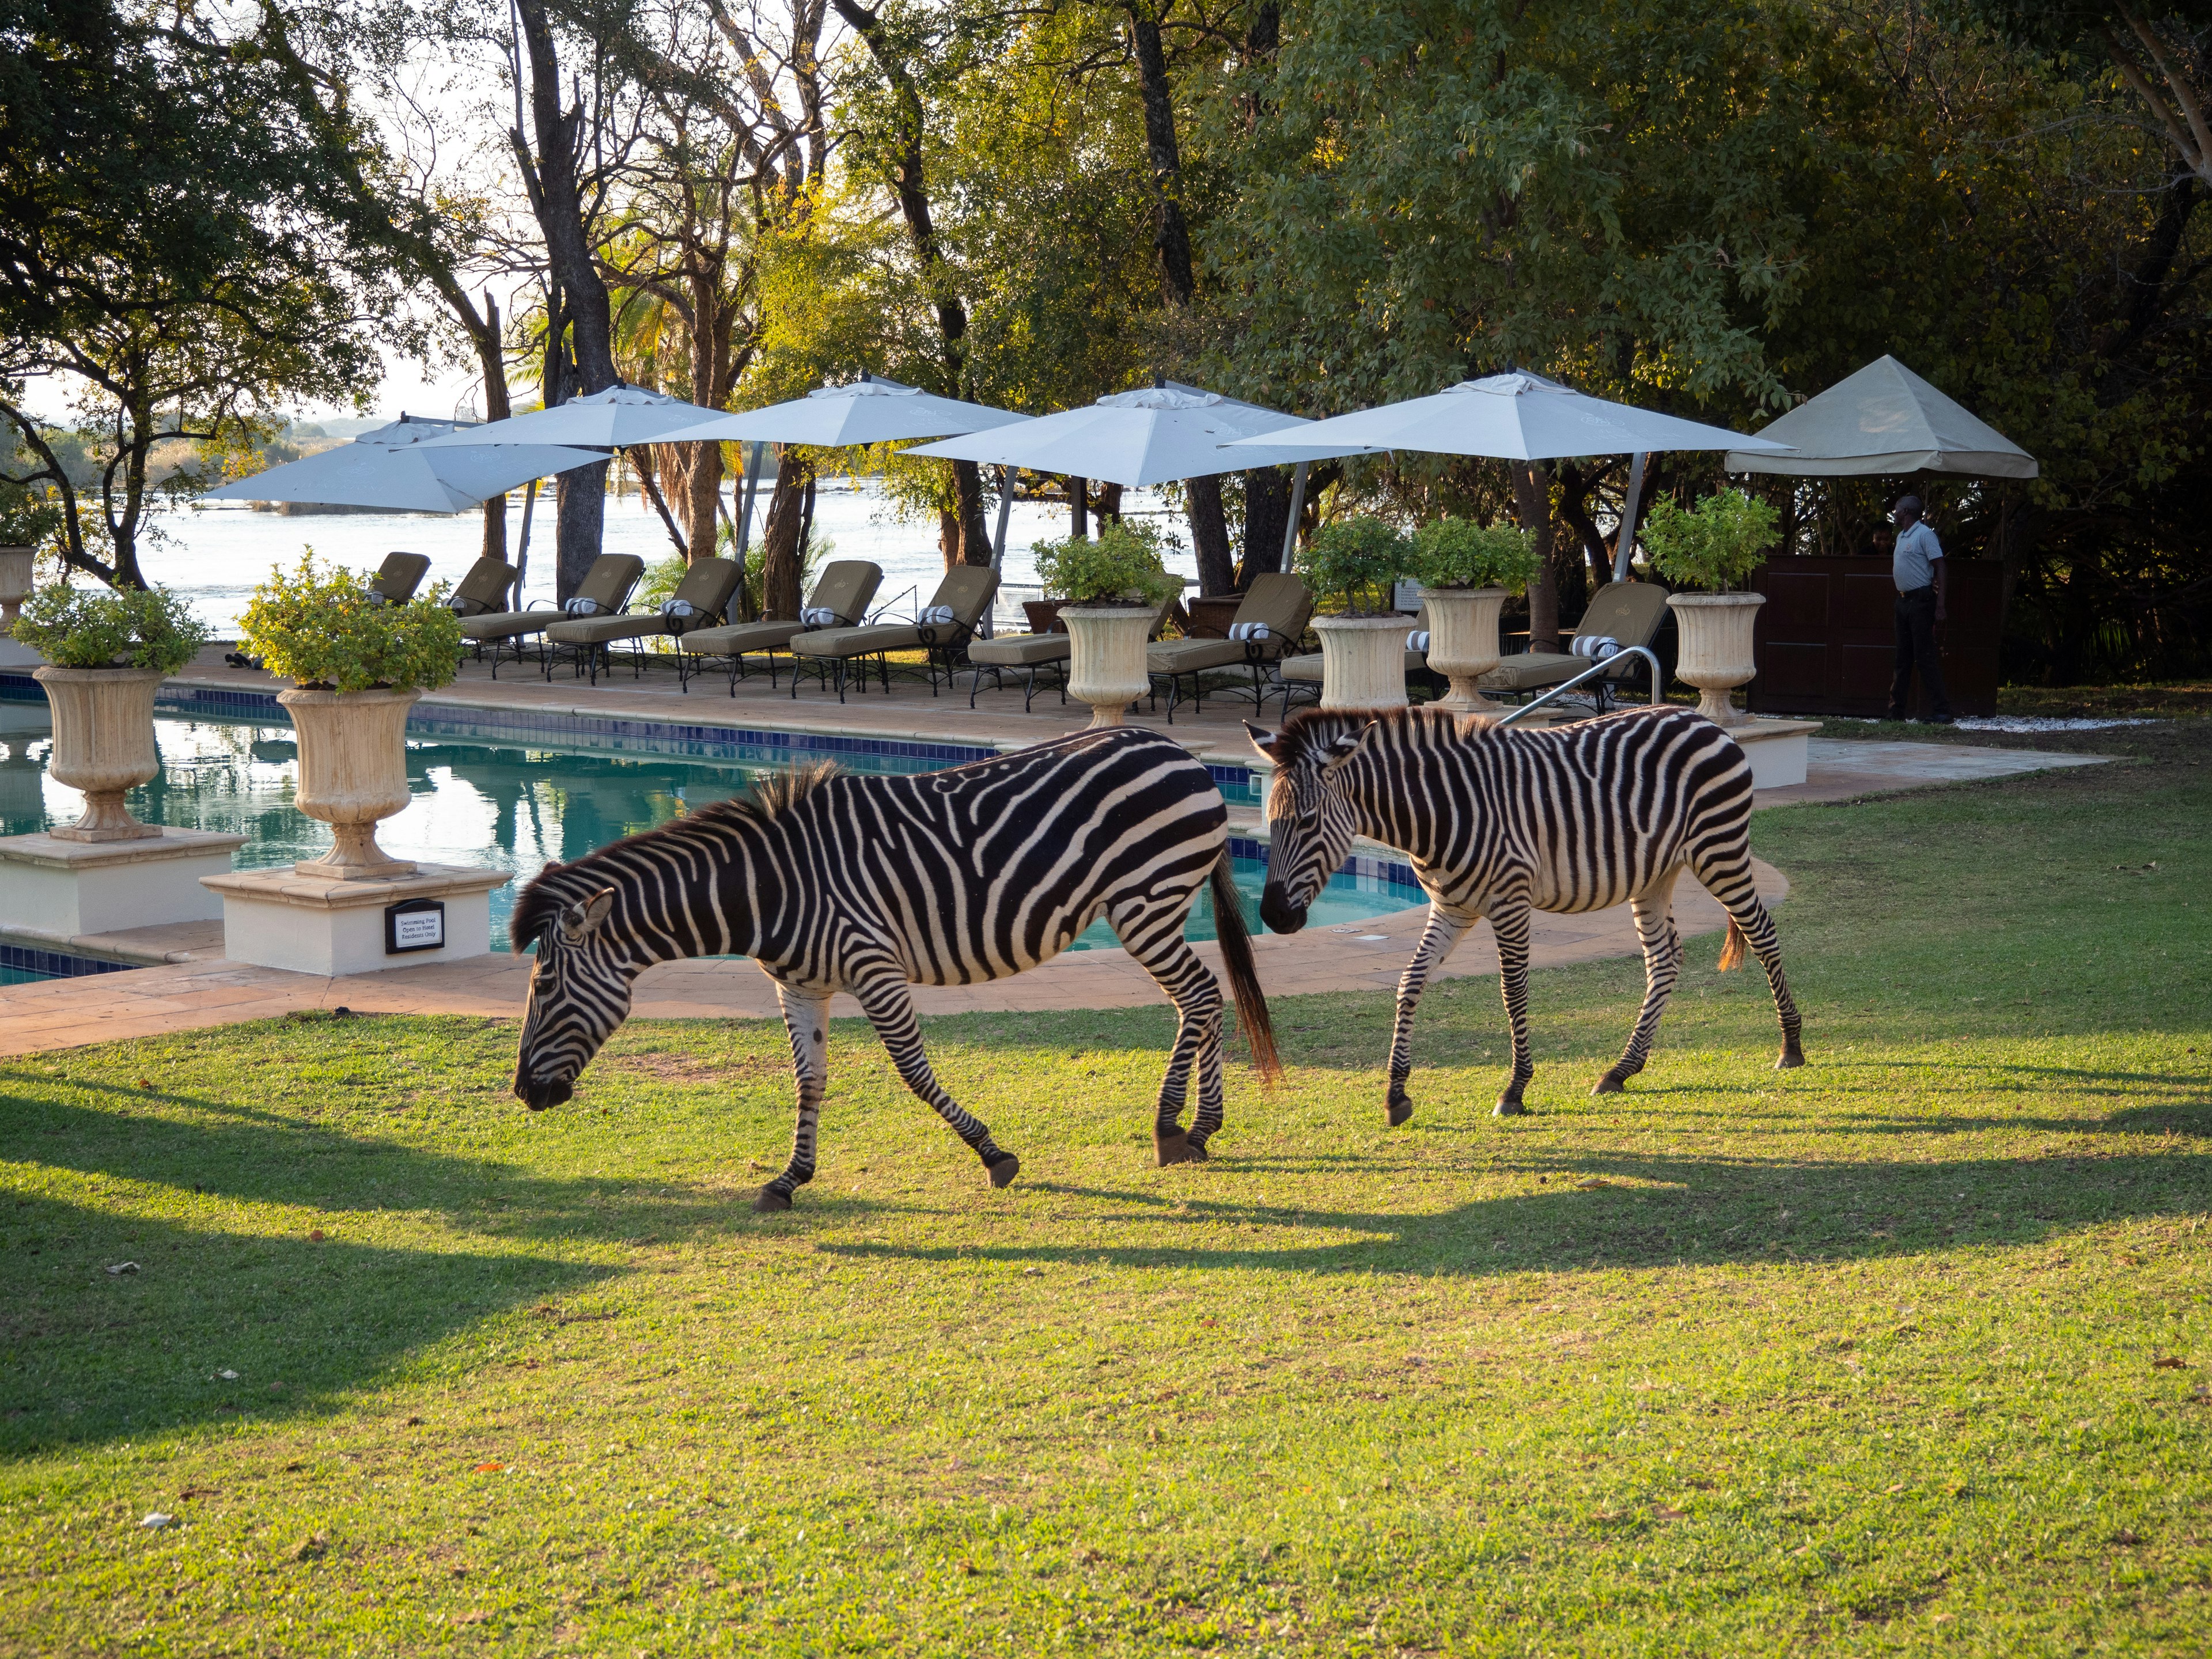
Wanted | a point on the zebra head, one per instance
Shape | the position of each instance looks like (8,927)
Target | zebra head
(1310,820)
(579,989)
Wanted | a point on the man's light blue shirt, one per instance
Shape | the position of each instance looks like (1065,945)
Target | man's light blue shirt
(1913,563)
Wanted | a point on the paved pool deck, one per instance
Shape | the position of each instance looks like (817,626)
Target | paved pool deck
(191,986)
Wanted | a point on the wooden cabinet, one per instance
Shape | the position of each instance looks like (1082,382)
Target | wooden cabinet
(1827,636)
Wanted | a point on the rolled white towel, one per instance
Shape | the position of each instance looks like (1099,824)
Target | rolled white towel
(678,608)
(581,606)
(377,598)
(1596,646)
(1418,641)
(1248,630)
(818,615)
(935,615)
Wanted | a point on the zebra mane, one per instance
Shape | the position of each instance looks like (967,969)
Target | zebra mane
(559,885)
(1310,730)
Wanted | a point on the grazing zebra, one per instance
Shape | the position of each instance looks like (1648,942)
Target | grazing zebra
(867,885)
(1500,822)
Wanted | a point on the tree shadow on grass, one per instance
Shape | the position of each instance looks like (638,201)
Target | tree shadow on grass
(1634,1211)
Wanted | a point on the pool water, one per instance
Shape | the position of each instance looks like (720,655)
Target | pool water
(499,801)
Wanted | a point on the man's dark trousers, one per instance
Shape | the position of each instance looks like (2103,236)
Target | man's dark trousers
(1916,648)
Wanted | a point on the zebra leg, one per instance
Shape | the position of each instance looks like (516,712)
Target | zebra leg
(1442,933)
(889,1008)
(1156,940)
(1663,952)
(806,1018)
(1729,880)
(1510,923)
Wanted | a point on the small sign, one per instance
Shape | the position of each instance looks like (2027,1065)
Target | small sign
(1405,596)
(414,925)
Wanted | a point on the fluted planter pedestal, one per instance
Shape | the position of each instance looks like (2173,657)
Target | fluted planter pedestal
(17,564)
(1463,643)
(1106,657)
(1362,661)
(353,773)
(103,744)
(1715,651)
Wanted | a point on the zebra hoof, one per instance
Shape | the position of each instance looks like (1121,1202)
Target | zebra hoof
(770,1202)
(1791,1058)
(1399,1108)
(1612,1083)
(1003,1172)
(1177,1149)
(1508,1106)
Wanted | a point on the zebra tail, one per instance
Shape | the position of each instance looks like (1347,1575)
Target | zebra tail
(1243,978)
(1732,948)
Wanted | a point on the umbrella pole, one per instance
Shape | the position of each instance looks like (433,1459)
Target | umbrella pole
(999,541)
(1625,548)
(752,491)
(1297,505)
(522,550)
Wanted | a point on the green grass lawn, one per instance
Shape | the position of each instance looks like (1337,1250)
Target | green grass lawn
(1904,1351)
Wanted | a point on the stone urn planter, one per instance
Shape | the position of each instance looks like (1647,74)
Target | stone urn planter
(15,567)
(353,773)
(1106,667)
(1715,651)
(103,744)
(1362,661)
(1463,643)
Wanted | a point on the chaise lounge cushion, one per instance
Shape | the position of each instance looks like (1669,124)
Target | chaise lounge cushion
(1020,650)
(844,587)
(967,591)
(707,587)
(400,576)
(1280,601)
(1629,611)
(608,582)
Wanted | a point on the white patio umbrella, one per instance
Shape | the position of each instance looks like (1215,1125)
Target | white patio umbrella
(1880,422)
(870,410)
(1520,417)
(613,419)
(402,467)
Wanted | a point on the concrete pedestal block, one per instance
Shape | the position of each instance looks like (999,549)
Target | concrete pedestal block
(314,924)
(16,658)
(66,889)
(1776,750)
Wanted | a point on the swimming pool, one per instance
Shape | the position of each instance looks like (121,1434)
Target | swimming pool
(493,797)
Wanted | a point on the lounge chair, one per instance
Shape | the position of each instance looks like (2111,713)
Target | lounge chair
(1274,615)
(1630,612)
(1301,676)
(606,588)
(702,599)
(483,590)
(1029,654)
(397,579)
(942,630)
(841,594)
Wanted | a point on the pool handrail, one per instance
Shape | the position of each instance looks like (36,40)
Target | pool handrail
(1580,675)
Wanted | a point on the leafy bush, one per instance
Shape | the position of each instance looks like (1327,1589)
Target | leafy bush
(26,517)
(1357,559)
(1452,552)
(1715,546)
(1125,563)
(319,629)
(111,628)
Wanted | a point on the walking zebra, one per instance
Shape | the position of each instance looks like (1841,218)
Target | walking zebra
(867,885)
(1500,823)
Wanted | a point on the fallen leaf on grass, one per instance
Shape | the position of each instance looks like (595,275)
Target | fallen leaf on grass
(199,1492)
(475,1617)
(2127,1539)
(121,1268)
(156,1520)
(1591,1183)
(968,1569)
(1663,1512)
(488,1469)
(312,1549)
(316,1235)
(2165,1362)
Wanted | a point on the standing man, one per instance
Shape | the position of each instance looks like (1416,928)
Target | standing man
(1916,565)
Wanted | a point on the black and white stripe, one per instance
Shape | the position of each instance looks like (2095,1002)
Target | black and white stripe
(868,885)
(1500,823)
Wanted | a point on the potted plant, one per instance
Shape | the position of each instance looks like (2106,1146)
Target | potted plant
(1468,571)
(108,650)
(1353,562)
(1110,589)
(356,667)
(1714,546)
(26,519)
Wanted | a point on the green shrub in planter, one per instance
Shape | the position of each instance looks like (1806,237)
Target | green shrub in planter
(111,628)
(321,630)
(1452,552)
(1714,546)
(1356,560)
(1124,565)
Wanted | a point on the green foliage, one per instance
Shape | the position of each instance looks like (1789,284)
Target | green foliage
(1715,546)
(1453,552)
(1124,562)
(28,517)
(319,628)
(661,579)
(111,628)
(1356,560)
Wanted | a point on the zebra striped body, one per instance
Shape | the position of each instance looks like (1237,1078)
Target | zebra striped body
(1500,823)
(867,885)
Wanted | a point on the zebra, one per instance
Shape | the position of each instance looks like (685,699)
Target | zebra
(1500,823)
(832,881)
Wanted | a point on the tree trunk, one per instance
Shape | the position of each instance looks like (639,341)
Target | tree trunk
(1078,498)
(1209,535)
(1266,517)
(1109,504)
(1532,505)
(948,535)
(975,523)
(1170,231)
(789,511)
(484,334)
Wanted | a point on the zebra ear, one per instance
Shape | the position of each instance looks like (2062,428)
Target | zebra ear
(1262,739)
(1342,747)
(579,919)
